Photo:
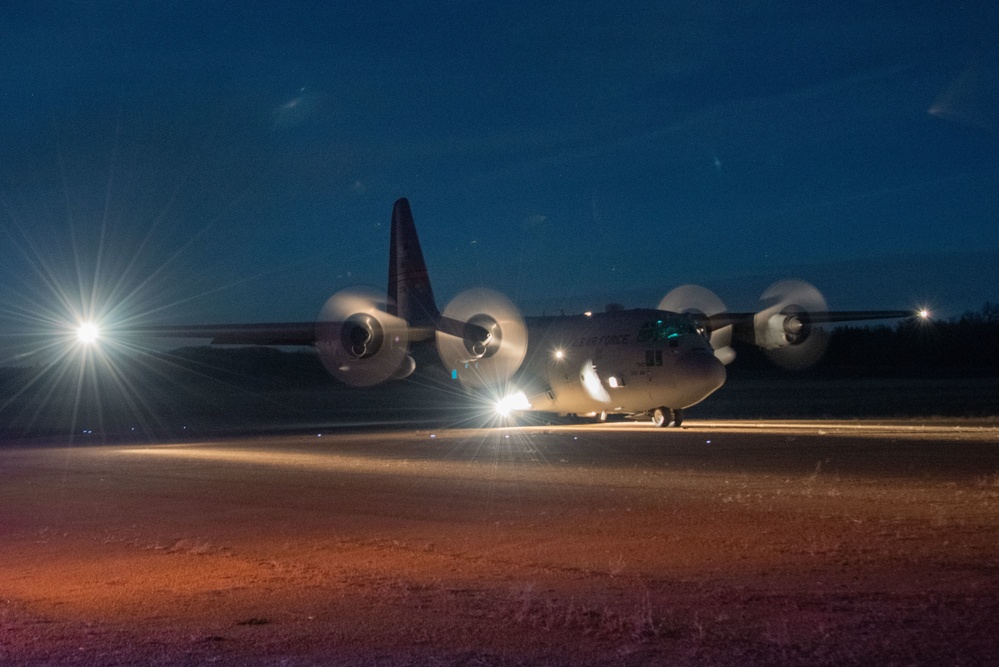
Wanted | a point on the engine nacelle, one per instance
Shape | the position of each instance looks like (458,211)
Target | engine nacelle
(786,330)
(358,342)
(407,368)
(783,329)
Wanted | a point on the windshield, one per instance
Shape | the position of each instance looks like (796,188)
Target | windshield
(666,328)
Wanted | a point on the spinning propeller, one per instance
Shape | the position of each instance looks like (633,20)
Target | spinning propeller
(483,337)
(359,343)
(787,328)
(701,303)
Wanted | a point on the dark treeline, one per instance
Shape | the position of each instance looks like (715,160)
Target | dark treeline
(197,391)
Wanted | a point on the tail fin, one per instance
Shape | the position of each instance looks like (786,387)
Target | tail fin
(411,297)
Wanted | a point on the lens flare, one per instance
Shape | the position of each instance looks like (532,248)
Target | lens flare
(511,403)
(87,333)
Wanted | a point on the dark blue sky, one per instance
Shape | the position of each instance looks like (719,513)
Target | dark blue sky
(210,161)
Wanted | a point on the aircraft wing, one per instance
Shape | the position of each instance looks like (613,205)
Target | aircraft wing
(291,333)
(720,320)
(304,333)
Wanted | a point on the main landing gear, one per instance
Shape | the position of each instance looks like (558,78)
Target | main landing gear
(664,417)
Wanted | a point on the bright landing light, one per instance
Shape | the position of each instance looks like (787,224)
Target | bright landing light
(87,333)
(512,403)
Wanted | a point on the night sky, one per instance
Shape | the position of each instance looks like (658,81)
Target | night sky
(172,162)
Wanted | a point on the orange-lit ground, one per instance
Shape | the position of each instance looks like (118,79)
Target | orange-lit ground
(728,543)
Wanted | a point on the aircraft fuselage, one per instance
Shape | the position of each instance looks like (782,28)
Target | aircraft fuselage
(617,362)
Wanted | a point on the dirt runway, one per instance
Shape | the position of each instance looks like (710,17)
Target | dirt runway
(723,543)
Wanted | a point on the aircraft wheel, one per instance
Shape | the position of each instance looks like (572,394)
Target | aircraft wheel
(663,417)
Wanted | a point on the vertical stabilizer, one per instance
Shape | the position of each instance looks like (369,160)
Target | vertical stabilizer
(411,297)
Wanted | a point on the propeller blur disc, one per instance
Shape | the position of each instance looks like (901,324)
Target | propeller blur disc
(482,337)
(359,343)
(788,315)
(700,301)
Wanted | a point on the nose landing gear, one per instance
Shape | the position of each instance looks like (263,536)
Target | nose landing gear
(664,417)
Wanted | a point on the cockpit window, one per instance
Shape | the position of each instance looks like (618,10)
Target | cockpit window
(665,328)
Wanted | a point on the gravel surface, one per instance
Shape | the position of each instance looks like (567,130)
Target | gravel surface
(723,542)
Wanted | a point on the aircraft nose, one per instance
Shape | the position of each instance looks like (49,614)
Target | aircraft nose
(702,374)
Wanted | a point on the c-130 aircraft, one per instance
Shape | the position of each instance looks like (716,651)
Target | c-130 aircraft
(640,363)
